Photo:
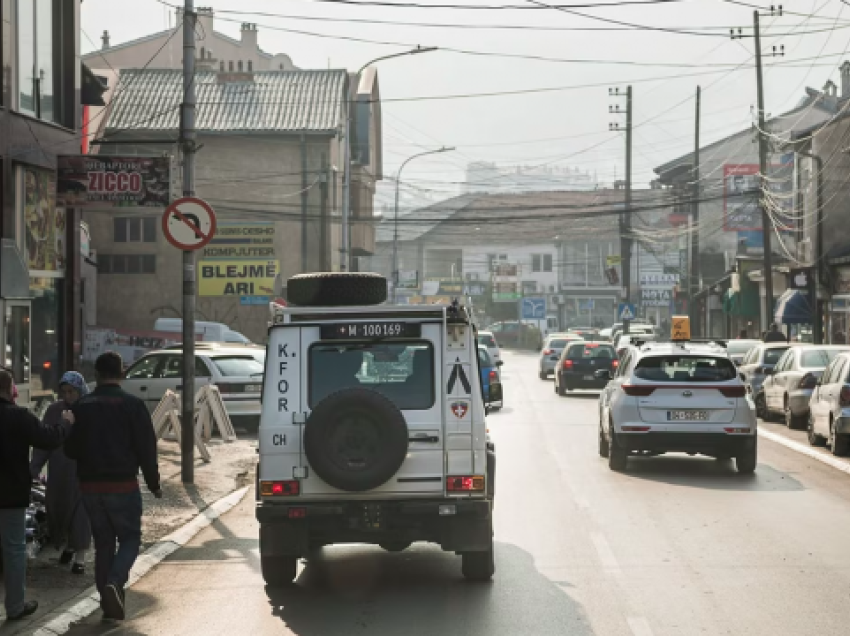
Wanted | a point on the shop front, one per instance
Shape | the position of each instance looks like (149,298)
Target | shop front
(837,323)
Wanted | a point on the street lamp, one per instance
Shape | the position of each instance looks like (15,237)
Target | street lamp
(395,216)
(346,187)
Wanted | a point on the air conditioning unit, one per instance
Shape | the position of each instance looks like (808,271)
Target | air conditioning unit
(558,299)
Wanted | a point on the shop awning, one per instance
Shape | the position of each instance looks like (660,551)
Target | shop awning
(793,308)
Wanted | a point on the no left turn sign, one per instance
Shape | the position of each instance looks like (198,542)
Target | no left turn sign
(188,223)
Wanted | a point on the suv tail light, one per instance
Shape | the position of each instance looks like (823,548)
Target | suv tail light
(465,483)
(615,363)
(808,381)
(733,391)
(568,364)
(844,396)
(280,488)
(493,375)
(638,390)
(226,388)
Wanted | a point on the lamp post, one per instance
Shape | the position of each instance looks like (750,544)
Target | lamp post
(395,216)
(346,186)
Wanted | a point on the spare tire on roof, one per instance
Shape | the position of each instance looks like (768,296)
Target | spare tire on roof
(355,439)
(328,289)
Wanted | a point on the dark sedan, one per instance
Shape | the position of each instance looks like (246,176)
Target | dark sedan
(579,363)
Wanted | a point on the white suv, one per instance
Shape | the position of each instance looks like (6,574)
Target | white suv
(372,428)
(677,397)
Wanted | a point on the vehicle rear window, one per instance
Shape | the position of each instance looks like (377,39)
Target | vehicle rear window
(771,356)
(591,350)
(402,371)
(738,347)
(685,368)
(818,358)
(238,366)
(558,343)
(487,340)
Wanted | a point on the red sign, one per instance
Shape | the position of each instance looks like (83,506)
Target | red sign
(189,223)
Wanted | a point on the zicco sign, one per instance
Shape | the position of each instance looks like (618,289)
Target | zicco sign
(104,182)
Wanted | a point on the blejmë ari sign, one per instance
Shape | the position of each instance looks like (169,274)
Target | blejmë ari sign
(237,278)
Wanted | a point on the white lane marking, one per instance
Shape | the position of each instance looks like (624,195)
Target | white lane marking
(836,463)
(639,626)
(606,554)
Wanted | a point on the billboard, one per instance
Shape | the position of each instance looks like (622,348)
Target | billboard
(241,240)
(107,182)
(237,278)
(740,198)
(44,224)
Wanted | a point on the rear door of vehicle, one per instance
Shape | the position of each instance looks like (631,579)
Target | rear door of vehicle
(142,379)
(589,357)
(820,404)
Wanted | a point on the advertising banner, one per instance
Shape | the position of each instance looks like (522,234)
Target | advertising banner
(237,278)
(741,185)
(241,240)
(656,297)
(105,182)
(44,224)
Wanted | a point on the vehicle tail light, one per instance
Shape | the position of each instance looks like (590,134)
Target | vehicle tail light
(808,381)
(844,396)
(280,488)
(548,352)
(297,513)
(638,390)
(465,483)
(733,391)
(47,365)
(743,431)
(493,375)
(615,363)
(636,429)
(226,388)
(568,364)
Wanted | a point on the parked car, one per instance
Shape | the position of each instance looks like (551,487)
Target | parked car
(737,349)
(491,379)
(512,333)
(579,363)
(487,339)
(551,352)
(829,408)
(588,334)
(236,371)
(755,365)
(789,385)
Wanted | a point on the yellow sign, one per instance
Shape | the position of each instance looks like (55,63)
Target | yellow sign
(241,240)
(237,278)
(611,261)
(681,328)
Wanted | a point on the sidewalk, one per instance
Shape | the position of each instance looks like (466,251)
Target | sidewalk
(231,468)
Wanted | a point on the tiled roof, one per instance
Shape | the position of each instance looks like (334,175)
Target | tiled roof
(274,101)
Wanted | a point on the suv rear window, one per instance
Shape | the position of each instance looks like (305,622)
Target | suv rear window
(245,366)
(685,368)
(818,357)
(771,356)
(487,340)
(591,350)
(402,371)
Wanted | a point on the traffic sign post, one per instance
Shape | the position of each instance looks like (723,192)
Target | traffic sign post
(533,308)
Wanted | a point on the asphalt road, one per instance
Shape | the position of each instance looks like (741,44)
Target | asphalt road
(675,546)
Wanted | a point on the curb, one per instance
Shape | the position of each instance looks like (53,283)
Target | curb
(60,620)
(808,451)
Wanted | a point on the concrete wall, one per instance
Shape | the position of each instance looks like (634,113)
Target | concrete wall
(830,145)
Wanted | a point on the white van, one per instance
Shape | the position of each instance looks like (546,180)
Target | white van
(212,331)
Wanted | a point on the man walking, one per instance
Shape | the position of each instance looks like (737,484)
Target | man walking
(19,430)
(111,440)
(774,335)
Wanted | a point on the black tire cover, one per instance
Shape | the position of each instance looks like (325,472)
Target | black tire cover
(355,439)
(329,289)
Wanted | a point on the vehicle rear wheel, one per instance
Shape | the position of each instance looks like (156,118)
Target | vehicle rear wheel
(478,566)
(747,460)
(840,443)
(561,389)
(792,421)
(814,438)
(603,444)
(618,457)
(278,571)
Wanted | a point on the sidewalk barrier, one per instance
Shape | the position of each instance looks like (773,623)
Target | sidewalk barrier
(209,412)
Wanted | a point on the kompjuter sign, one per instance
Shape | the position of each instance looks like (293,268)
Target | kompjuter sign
(106,182)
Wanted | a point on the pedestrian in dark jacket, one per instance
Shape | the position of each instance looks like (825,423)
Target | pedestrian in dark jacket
(66,514)
(19,430)
(774,335)
(112,438)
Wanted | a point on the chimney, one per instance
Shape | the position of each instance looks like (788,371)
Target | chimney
(249,37)
(105,39)
(205,24)
(845,80)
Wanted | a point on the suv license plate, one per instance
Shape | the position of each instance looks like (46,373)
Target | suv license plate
(693,416)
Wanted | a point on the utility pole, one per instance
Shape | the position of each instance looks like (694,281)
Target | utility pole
(625,218)
(692,281)
(766,222)
(188,143)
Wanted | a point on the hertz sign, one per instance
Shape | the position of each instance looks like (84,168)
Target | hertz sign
(237,278)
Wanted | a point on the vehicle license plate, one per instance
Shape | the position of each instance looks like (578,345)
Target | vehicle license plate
(588,377)
(343,331)
(693,416)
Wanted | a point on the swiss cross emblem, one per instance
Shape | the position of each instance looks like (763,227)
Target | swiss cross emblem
(460,409)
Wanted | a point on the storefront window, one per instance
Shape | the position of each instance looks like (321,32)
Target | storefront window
(35,58)
(17,342)
(47,329)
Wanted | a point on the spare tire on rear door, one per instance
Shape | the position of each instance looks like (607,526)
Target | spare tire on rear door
(355,439)
(328,289)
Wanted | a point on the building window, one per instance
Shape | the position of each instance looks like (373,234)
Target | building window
(134,229)
(250,66)
(36,59)
(240,65)
(230,66)
(547,262)
(126,263)
(535,262)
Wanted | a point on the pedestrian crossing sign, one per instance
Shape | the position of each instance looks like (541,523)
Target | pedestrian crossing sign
(626,312)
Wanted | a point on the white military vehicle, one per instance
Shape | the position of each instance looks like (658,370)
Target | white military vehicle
(372,428)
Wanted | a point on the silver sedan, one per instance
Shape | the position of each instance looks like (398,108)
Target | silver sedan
(551,352)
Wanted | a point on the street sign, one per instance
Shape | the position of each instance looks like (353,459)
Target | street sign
(533,308)
(188,223)
(626,312)
(656,297)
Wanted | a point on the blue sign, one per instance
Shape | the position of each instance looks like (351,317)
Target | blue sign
(626,311)
(254,300)
(533,308)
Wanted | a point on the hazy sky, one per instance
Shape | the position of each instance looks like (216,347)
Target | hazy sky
(566,127)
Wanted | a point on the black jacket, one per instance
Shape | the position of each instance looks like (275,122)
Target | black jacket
(19,430)
(775,336)
(112,438)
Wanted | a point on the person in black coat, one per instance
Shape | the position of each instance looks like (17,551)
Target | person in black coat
(774,335)
(19,431)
